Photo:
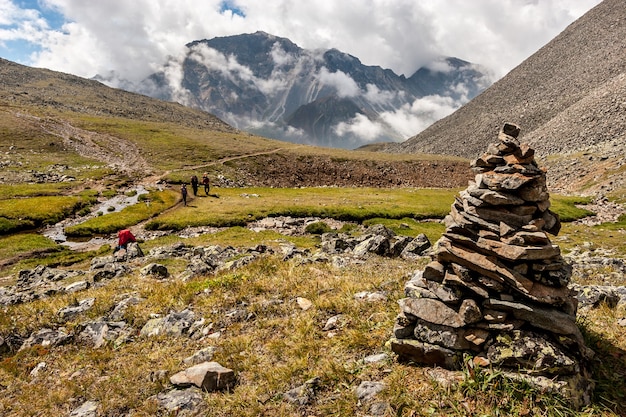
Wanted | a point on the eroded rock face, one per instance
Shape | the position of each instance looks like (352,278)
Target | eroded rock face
(496,287)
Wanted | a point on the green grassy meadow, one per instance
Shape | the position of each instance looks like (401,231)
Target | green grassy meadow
(238,206)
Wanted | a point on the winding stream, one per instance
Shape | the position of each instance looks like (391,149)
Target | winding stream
(113,205)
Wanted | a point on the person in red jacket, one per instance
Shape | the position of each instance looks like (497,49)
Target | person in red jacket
(124,237)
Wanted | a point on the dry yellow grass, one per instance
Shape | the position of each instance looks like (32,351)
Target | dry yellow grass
(273,346)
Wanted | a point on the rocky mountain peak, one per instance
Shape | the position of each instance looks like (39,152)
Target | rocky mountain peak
(262,83)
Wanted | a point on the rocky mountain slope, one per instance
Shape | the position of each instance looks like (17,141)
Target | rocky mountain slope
(568,99)
(270,86)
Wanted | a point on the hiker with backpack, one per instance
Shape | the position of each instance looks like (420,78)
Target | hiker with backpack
(124,237)
(183,192)
(194,185)
(206,183)
(124,240)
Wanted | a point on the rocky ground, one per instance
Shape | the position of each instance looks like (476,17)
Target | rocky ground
(276,170)
(182,391)
(605,212)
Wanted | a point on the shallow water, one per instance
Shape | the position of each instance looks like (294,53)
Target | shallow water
(113,205)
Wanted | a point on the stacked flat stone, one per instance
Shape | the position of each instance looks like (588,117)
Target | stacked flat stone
(496,287)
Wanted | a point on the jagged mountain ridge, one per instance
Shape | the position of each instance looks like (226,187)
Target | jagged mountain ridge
(269,85)
(568,99)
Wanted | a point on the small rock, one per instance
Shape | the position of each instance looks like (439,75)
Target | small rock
(334,322)
(71,311)
(481,361)
(155,270)
(88,409)
(444,377)
(47,338)
(371,297)
(120,308)
(368,390)
(203,355)
(303,394)
(174,324)
(77,286)
(209,376)
(180,402)
(40,367)
(380,357)
(158,376)
(304,303)
(379,408)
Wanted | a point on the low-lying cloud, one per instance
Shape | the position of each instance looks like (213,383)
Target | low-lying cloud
(399,124)
(411,119)
(396,120)
(340,81)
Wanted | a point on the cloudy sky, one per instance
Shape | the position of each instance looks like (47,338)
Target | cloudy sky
(127,40)
(133,38)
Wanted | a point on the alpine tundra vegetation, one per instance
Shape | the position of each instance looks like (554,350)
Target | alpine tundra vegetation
(312,281)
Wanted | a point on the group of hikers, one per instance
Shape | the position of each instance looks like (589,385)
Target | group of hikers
(194,186)
(125,236)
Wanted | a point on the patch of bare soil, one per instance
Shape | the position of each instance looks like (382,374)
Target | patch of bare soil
(280,170)
(121,154)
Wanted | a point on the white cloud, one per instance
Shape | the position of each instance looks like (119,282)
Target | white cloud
(20,26)
(462,91)
(290,133)
(134,38)
(374,95)
(362,127)
(13,15)
(439,65)
(216,61)
(401,123)
(340,81)
(280,56)
(411,119)
(237,73)
(174,75)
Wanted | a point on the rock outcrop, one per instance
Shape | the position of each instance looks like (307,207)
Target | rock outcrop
(497,288)
(209,376)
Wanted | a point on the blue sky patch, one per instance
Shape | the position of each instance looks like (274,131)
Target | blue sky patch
(230,5)
(55,20)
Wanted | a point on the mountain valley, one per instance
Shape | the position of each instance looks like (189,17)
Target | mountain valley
(269,86)
(277,291)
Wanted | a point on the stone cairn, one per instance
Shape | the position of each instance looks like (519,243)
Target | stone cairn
(495,292)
